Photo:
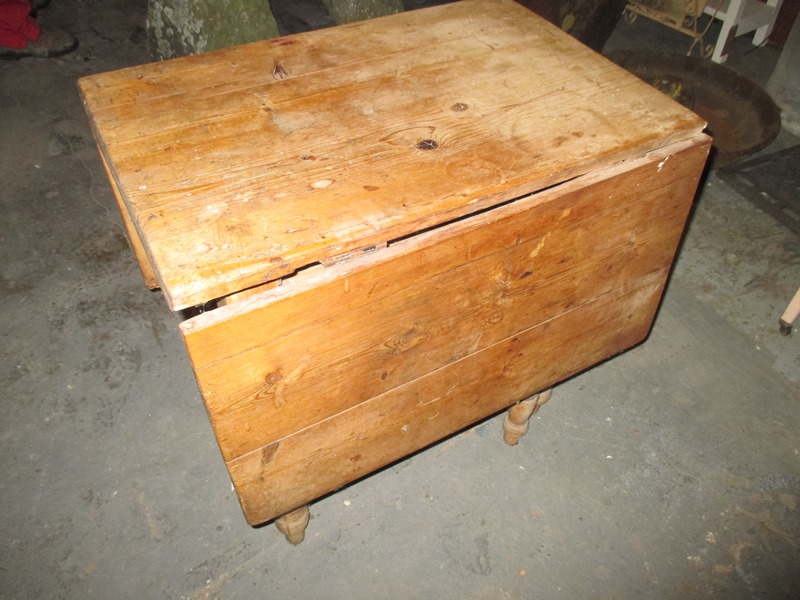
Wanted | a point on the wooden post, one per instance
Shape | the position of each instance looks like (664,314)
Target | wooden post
(518,416)
(790,314)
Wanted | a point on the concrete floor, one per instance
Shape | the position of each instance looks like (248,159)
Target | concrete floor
(670,471)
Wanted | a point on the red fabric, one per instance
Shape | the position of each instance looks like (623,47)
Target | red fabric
(16,24)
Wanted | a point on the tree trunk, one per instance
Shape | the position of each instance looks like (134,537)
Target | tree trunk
(180,27)
(347,11)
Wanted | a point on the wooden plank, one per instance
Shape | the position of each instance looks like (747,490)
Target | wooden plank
(302,467)
(291,357)
(148,274)
(234,177)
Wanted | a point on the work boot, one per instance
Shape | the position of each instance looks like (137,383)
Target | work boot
(51,43)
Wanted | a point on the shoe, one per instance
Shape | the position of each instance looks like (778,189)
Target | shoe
(51,43)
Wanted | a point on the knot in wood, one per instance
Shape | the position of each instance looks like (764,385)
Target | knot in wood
(278,72)
(427,144)
(274,377)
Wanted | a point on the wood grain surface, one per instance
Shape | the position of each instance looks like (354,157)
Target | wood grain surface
(240,166)
(135,241)
(565,278)
(297,469)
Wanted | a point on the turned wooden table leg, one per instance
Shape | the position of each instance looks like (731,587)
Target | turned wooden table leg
(516,423)
(790,314)
(293,525)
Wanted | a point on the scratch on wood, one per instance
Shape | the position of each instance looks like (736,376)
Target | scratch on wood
(422,403)
(535,252)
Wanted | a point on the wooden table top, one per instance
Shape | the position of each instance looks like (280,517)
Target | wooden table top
(242,165)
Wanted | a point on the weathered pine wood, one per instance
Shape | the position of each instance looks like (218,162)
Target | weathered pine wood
(248,293)
(518,416)
(148,274)
(291,357)
(310,463)
(243,165)
(293,525)
(408,224)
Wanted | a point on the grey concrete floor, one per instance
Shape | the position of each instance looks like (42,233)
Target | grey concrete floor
(671,471)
